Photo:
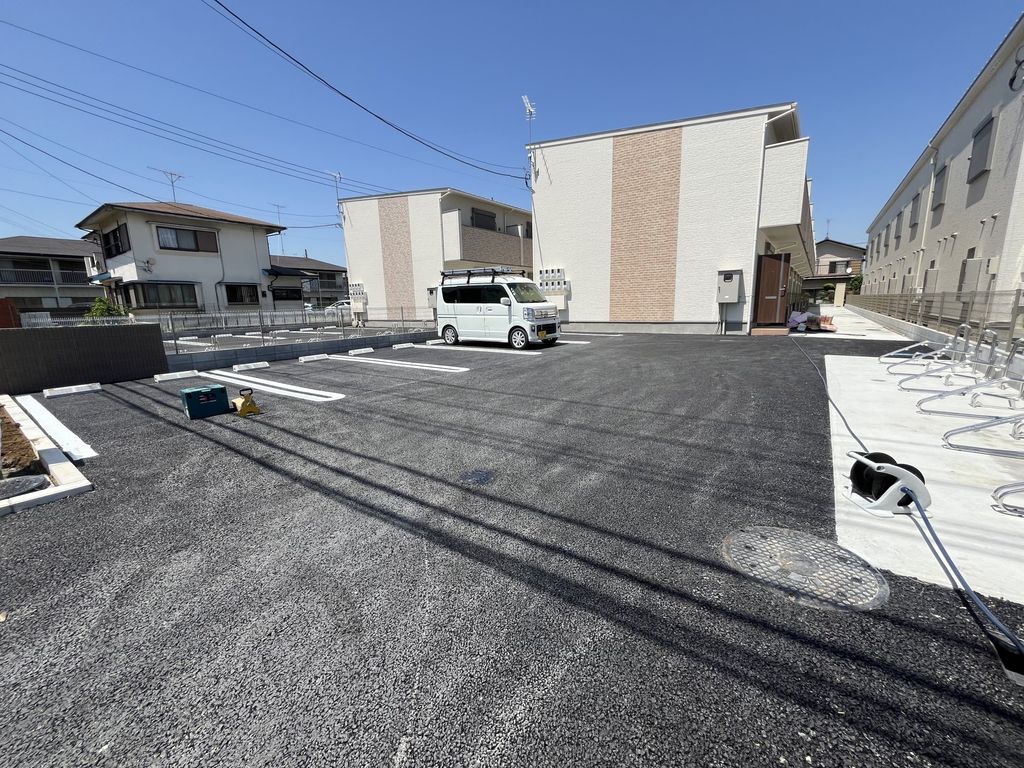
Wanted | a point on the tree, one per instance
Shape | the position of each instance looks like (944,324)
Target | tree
(855,283)
(104,307)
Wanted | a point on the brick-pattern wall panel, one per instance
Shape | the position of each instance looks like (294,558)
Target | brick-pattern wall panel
(33,359)
(496,248)
(645,225)
(396,251)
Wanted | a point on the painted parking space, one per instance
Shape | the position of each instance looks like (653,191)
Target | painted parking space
(464,348)
(271,386)
(435,367)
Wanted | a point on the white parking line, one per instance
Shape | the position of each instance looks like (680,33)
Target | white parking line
(582,333)
(457,348)
(273,387)
(183,342)
(566,341)
(401,364)
(74,446)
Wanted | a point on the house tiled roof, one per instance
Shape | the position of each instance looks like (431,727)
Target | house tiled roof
(185,210)
(46,246)
(301,262)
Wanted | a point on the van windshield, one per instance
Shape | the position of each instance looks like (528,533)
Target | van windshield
(526,293)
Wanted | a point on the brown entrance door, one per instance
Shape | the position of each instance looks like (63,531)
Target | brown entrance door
(772,274)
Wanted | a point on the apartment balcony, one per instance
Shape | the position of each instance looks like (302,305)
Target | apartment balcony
(489,247)
(43,277)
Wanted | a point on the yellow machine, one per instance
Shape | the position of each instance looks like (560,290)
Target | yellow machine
(244,405)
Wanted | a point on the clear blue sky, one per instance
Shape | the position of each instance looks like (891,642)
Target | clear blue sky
(874,81)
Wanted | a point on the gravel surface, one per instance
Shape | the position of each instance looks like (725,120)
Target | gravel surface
(516,566)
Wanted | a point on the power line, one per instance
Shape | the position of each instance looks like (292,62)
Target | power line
(47,172)
(229,99)
(152,180)
(213,146)
(43,197)
(37,221)
(282,53)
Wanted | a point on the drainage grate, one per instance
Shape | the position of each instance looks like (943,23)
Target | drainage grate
(15,486)
(807,569)
(477,477)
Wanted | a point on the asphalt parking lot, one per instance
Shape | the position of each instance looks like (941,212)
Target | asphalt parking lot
(208,341)
(518,564)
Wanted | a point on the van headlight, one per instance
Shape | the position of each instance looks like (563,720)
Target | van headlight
(528,313)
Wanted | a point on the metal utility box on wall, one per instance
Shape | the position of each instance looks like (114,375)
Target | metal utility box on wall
(729,286)
(202,402)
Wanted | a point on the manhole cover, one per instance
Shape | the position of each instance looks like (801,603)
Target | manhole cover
(807,569)
(477,477)
(15,486)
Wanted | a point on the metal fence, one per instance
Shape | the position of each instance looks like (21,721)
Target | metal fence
(202,331)
(996,310)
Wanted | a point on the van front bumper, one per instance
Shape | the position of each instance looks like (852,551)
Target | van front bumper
(545,330)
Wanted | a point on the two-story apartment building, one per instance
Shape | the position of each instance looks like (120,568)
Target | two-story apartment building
(175,256)
(641,225)
(956,220)
(836,265)
(298,280)
(397,244)
(46,273)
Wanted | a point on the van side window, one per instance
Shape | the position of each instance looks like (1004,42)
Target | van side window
(493,294)
(451,295)
(469,294)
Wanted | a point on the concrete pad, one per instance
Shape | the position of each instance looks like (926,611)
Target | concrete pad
(985,544)
(852,326)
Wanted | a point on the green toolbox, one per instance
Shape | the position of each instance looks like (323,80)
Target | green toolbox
(201,402)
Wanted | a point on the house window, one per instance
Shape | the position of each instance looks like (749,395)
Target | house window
(899,228)
(173,239)
(837,267)
(939,187)
(286,294)
(171,295)
(981,152)
(242,294)
(483,219)
(915,210)
(887,228)
(115,242)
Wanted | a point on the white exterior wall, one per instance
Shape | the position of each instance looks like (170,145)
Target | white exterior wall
(572,208)
(720,182)
(363,249)
(427,249)
(966,218)
(785,176)
(244,254)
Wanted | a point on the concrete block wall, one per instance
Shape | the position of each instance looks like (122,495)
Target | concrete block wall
(225,358)
(33,359)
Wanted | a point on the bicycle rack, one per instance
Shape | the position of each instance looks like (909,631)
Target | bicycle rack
(999,497)
(1015,423)
(987,337)
(1005,381)
(952,350)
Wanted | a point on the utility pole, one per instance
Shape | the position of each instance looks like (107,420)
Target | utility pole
(281,233)
(173,178)
(531,114)
(337,197)
(828,226)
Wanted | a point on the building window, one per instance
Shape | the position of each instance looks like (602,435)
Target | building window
(915,210)
(838,267)
(939,187)
(981,152)
(899,228)
(115,242)
(173,239)
(170,295)
(243,294)
(887,228)
(483,219)
(286,294)
(529,230)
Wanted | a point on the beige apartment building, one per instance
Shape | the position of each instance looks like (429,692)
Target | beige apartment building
(698,225)
(955,223)
(397,244)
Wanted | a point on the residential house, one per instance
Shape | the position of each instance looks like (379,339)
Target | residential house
(397,244)
(301,280)
(159,257)
(643,225)
(956,220)
(47,274)
(837,264)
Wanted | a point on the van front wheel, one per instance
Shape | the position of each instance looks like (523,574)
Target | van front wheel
(518,339)
(450,336)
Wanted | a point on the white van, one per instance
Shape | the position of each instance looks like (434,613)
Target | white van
(494,305)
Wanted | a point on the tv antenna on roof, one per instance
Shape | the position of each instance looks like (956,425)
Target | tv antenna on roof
(172,177)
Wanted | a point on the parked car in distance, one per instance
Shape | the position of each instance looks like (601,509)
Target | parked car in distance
(494,305)
(340,311)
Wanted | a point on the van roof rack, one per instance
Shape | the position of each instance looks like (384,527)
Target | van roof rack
(492,271)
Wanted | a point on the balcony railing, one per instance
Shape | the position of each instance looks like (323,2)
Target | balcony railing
(42,277)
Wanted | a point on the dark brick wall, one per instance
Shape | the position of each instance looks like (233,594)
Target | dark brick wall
(32,359)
